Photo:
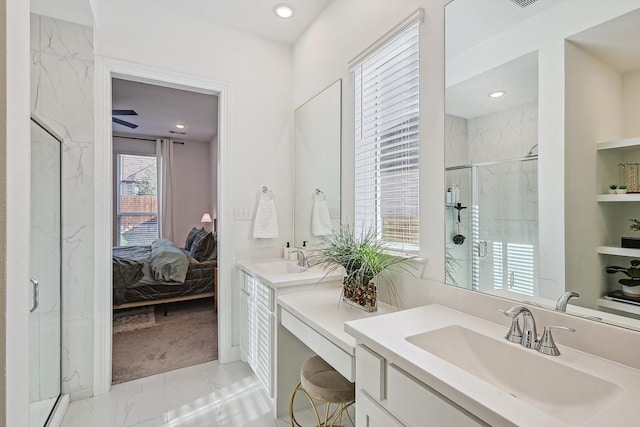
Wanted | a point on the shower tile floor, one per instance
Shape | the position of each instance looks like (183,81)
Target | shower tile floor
(210,394)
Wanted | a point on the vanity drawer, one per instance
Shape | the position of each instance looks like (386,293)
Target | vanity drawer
(341,360)
(418,405)
(370,372)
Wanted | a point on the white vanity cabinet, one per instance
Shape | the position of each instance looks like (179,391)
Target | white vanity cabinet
(257,322)
(386,395)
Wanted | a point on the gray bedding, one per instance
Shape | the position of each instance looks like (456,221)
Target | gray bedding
(162,263)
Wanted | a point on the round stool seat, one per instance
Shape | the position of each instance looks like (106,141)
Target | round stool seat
(323,382)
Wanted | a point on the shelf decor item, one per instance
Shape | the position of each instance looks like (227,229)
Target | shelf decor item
(367,263)
(622,189)
(631,285)
(613,188)
(632,242)
(629,177)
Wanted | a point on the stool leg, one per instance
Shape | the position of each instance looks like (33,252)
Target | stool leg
(294,422)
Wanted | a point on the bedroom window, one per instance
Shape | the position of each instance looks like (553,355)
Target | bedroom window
(136,200)
(386,141)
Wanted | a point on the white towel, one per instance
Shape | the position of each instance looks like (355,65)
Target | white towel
(320,218)
(265,225)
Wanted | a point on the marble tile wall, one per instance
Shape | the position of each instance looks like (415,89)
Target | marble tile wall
(62,97)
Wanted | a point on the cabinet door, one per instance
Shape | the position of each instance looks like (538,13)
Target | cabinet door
(418,405)
(370,414)
(263,351)
(245,342)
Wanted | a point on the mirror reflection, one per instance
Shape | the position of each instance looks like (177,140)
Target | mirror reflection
(553,79)
(317,145)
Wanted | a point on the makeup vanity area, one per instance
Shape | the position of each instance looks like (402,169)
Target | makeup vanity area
(446,362)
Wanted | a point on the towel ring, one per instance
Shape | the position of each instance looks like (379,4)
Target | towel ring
(265,194)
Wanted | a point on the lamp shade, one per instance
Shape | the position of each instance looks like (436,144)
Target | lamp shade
(206,218)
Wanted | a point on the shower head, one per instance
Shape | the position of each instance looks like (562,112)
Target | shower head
(530,153)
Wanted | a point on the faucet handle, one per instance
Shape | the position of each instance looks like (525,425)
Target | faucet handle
(546,345)
(515,333)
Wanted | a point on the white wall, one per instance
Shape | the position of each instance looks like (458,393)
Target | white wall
(257,151)
(345,29)
(631,104)
(14,93)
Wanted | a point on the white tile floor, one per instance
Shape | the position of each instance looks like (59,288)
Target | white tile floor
(210,394)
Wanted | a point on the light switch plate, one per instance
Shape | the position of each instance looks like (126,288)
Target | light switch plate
(242,214)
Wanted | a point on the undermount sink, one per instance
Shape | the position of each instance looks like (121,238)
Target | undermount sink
(565,393)
(279,267)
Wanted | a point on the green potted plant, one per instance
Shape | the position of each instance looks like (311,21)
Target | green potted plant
(612,189)
(622,189)
(630,285)
(367,262)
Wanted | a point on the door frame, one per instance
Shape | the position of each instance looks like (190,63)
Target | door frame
(105,70)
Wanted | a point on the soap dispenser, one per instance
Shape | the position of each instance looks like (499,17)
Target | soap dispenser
(287,248)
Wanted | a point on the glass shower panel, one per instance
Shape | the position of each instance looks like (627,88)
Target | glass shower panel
(44,324)
(458,251)
(505,227)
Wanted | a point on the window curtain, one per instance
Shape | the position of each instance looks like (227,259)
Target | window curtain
(164,153)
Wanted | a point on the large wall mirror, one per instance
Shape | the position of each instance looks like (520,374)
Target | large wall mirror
(542,107)
(317,148)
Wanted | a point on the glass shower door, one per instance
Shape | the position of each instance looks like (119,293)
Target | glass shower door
(44,324)
(505,227)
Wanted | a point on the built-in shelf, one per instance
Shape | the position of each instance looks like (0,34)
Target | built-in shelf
(619,143)
(635,197)
(620,306)
(617,250)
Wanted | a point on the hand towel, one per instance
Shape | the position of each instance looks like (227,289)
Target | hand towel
(265,225)
(320,218)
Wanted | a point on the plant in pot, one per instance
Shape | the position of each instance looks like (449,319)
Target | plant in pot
(630,285)
(632,242)
(622,189)
(367,262)
(612,189)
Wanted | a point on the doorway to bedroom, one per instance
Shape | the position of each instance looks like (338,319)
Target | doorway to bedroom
(164,256)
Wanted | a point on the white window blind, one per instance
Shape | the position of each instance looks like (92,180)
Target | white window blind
(136,200)
(386,141)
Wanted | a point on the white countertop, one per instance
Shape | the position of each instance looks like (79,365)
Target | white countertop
(280,279)
(386,336)
(323,311)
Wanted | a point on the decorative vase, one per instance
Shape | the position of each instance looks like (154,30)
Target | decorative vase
(632,291)
(612,191)
(621,191)
(364,297)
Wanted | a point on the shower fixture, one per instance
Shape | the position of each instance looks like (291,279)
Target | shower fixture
(530,153)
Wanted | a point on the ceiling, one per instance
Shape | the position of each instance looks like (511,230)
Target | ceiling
(160,108)
(470,22)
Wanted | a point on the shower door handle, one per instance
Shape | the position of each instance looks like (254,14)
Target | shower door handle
(482,248)
(36,294)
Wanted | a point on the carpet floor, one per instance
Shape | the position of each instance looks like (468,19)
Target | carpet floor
(187,336)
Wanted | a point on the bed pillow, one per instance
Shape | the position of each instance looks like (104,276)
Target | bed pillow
(168,263)
(203,245)
(191,236)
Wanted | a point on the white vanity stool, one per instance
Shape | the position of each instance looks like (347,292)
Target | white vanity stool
(319,381)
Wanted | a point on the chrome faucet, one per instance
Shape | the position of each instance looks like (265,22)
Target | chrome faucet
(561,305)
(302,260)
(529,335)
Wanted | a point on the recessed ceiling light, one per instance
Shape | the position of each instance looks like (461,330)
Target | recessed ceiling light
(180,126)
(283,11)
(497,94)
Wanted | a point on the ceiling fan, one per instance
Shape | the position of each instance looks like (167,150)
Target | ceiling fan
(123,122)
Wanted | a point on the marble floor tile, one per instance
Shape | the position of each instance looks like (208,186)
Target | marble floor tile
(207,395)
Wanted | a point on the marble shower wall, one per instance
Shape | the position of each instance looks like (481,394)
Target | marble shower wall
(507,194)
(62,97)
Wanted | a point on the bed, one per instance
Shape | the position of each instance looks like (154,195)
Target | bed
(162,272)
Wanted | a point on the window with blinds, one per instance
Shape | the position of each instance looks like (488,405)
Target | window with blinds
(136,200)
(386,141)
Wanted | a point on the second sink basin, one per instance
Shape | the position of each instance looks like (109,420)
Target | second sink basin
(279,267)
(567,394)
